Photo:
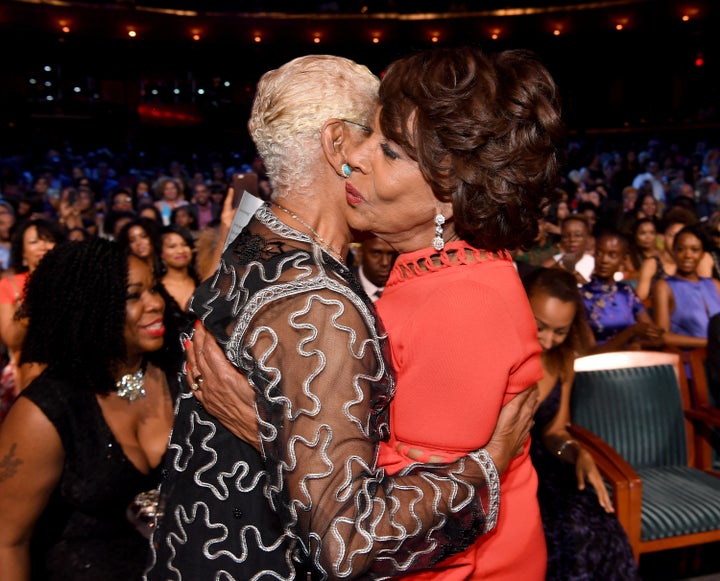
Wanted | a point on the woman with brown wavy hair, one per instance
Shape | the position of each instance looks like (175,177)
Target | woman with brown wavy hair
(476,138)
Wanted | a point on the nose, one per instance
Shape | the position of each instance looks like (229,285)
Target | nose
(154,302)
(545,339)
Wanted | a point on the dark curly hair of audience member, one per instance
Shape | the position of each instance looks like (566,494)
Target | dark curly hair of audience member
(46,229)
(562,285)
(76,304)
(490,137)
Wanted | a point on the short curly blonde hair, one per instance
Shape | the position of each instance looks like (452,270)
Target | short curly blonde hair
(291,105)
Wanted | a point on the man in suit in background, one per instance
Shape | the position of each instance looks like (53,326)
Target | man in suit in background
(376,260)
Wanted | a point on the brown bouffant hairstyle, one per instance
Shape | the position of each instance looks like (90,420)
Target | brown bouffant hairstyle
(486,132)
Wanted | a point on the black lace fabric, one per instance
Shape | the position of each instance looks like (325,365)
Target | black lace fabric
(297,323)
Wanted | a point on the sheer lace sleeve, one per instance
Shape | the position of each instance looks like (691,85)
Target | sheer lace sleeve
(315,359)
(300,327)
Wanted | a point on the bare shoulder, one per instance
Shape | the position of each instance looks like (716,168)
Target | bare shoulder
(28,438)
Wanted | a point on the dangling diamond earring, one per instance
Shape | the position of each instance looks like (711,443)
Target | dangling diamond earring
(346,170)
(438,243)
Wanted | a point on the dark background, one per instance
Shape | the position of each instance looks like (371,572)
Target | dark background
(639,81)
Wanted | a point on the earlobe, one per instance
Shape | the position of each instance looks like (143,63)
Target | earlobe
(446,209)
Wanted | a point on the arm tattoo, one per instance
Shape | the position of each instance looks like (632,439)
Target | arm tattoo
(9,464)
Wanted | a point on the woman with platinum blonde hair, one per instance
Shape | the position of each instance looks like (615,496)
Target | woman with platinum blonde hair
(305,497)
(287,117)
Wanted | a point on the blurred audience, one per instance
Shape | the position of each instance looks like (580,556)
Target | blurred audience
(31,241)
(177,254)
(141,237)
(574,256)
(376,260)
(614,312)
(684,302)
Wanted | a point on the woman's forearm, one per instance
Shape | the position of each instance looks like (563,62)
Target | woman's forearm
(15,562)
(677,340)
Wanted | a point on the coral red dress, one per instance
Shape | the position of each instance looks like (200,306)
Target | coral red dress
(464,342)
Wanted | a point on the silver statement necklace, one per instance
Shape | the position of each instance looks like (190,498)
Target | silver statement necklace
(131,386)
(319,239)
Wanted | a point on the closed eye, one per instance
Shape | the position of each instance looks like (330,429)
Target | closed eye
(389,152)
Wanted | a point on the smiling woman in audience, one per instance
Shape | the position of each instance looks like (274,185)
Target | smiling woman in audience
(178,258)
(683,303)
(31,241)
(87,435)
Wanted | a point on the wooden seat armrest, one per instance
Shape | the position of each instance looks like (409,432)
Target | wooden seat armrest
(706,423)
(706,415)
(623,479)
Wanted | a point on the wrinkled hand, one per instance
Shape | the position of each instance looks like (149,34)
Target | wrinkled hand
(512,428)
(224,391)
(586,471)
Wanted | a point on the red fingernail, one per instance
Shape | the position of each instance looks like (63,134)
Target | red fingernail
(198,324)
(186,344)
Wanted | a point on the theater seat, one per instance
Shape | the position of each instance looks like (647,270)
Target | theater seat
(629,410)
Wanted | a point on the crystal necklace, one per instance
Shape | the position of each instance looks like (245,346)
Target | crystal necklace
(319,239)
(131,386)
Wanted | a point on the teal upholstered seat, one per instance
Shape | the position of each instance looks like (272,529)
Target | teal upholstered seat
(637,406)
(636,410)
(678,500)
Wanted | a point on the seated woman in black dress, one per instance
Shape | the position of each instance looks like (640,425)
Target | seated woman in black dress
(87,435)
(584,539)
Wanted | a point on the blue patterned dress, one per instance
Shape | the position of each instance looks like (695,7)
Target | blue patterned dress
(611,307)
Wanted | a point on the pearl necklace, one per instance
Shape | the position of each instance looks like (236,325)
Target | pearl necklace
(131,386)
(316,237)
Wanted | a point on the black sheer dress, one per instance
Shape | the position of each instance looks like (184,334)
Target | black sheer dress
(298,324)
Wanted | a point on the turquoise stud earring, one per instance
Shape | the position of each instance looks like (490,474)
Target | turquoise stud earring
(346,170)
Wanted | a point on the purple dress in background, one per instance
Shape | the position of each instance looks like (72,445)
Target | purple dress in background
(695,303)
(610,307)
